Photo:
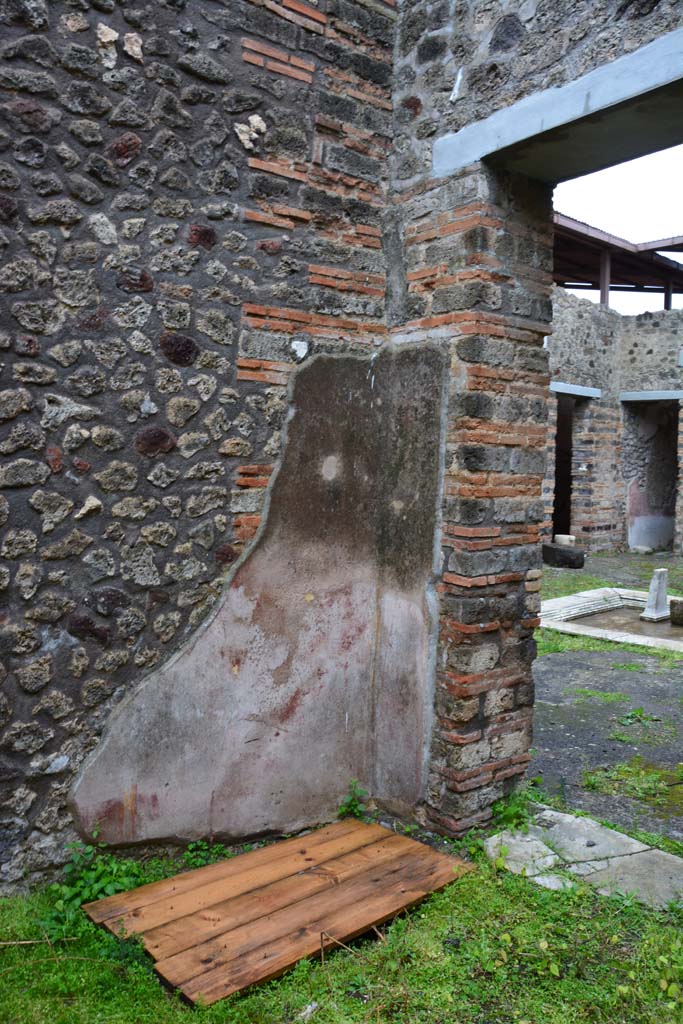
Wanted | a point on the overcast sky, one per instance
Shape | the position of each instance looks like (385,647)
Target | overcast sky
(640,200)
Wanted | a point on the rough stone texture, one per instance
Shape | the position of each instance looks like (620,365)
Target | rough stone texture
(160,284)
(132,208)
(563,557)
(578,730)
(612,862)
(459,61)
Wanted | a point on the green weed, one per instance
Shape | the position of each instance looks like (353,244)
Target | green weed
(89,874)
(637,716)
(549,641)
(202,852)
(491,947)
(354,803)
(620,737)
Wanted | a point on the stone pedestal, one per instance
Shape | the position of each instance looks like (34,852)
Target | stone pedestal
(657,607)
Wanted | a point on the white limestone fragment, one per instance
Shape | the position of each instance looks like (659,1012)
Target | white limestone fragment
(248,133)
(90,506)
(106,44)
(132,44)
(257,123)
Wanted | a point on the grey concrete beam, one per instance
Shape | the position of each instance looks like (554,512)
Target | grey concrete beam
(575,389)
(650,396)
(627,108)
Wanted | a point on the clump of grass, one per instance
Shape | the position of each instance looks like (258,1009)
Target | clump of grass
(638,716)
(635,779)
(491,947)
(564,582)
(604,696)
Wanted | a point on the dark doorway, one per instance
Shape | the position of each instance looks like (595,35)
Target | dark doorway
(562,507)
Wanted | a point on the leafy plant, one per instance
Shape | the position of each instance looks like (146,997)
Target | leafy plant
(89,874)
(353,805)
(514,811)
(637,716)
(202,852)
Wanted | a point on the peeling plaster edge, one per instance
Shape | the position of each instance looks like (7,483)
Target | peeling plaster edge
(249,549)
(431,594)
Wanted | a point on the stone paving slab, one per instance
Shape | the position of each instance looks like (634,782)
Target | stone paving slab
(582,839)
(523,854)
(653,876)
(609,860)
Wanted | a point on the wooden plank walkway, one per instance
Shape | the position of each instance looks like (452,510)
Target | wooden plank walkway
(218,929)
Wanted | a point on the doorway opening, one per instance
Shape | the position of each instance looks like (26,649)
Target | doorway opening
(650,466)
(571,409)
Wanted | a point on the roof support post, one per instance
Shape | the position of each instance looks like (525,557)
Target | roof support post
(605,274)
(667,295)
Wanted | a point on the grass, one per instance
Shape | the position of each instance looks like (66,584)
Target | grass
(549,641)
(605,697)
(643,567)
(635,778)
(563,582)
(492,948)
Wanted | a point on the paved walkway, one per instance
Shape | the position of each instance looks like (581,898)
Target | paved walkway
(559,848)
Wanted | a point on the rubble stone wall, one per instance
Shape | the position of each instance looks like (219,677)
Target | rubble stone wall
(613,446)
(195,199)
(458,61)
(190,205)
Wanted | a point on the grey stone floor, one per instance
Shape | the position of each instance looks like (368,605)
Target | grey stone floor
(581,697)
(559,849)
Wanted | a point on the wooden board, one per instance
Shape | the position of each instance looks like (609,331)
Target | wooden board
(219,929)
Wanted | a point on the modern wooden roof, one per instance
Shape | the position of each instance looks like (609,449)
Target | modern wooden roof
(634,267)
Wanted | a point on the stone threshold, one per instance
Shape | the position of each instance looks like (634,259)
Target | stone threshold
(557,846)
(559,613)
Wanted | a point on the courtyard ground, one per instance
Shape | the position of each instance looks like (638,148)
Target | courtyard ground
(608,724)
(493,948)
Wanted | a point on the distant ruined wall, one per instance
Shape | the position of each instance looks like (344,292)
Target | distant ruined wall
(650,470)
(613,445)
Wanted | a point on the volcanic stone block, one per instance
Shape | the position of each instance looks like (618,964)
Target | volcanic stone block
(676,611)
(563,557)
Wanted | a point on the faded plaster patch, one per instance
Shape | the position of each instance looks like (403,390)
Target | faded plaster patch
(314,667)
(331,467)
